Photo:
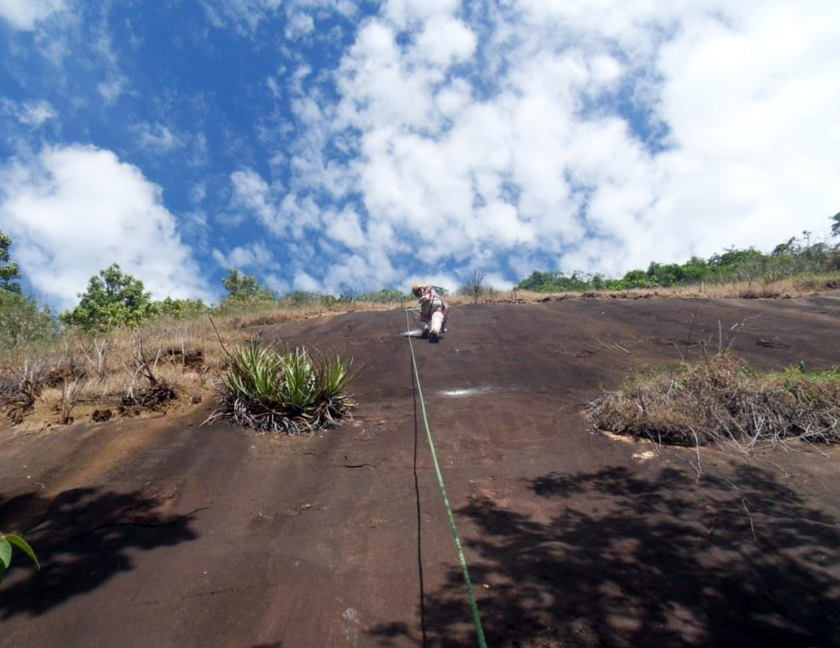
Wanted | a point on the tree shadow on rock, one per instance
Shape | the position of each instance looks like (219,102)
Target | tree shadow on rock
(621,559)
(87,536)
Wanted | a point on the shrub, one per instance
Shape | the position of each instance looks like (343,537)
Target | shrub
(301,298)
(9,272)
(474,287)
(112,300)
(722,400)
(244,291)
(23,322)
(285,390)
(180,309)
(794,258)
(383,296)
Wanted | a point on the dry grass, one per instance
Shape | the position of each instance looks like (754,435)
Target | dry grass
(720,400)
(97,378)
(125,373)
(279,315)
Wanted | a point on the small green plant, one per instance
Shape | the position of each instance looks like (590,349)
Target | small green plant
(7,541)
(285,390)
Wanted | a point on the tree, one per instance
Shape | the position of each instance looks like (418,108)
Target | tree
(242,286)
(112,299)
(180,308)
(23,321)
(9,272)
(244,290)
(835,224)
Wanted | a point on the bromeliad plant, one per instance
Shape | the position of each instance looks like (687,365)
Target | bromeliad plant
(7,541)
(285,390)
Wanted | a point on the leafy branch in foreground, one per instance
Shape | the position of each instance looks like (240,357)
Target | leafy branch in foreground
(7,541)
(285,390)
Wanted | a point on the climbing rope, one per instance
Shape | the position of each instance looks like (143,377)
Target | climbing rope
(479,630)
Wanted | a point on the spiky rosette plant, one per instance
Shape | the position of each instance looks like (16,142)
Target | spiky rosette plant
(283,390)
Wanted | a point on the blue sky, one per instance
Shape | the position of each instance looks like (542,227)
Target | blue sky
(334,144)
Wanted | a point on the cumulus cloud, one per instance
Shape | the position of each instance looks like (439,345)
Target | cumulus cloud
(73,210)
(25,14)
(572,135)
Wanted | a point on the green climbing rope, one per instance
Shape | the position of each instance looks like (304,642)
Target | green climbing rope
(479,630)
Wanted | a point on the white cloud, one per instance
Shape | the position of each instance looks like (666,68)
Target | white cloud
(445,40)
(402,12)
(593,135)
(255,256)
(25,14)
(299,24)
(303,281)
(74,210)
(247,15)
(252,193)
(30,113)
(345,228)
(157,138)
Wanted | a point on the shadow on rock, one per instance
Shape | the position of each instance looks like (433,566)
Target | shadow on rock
(625,560)
(87,536)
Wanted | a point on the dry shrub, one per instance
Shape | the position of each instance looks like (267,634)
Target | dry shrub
(721,400)
(20,387)
(95,378)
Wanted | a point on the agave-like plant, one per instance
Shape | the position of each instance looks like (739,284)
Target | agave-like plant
(335,374)
(285,390)
(255,373)
(299,388)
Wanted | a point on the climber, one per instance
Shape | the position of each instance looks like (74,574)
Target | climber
(433,311)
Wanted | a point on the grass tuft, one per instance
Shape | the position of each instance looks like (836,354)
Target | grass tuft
(285,390)
(721,400)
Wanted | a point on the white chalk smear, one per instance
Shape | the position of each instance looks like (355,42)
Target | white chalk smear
(460,393)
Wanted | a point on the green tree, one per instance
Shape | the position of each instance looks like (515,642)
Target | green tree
(112,299)
(835,224)
(9,272)
(180,308)
(244,290)
(23,321)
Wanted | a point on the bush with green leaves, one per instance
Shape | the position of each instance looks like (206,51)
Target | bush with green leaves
(244,291)
(8,541)
(9,272)
(797,257)
(300,298)
(23,322)
(180,309)
(113,299)
(286,390)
